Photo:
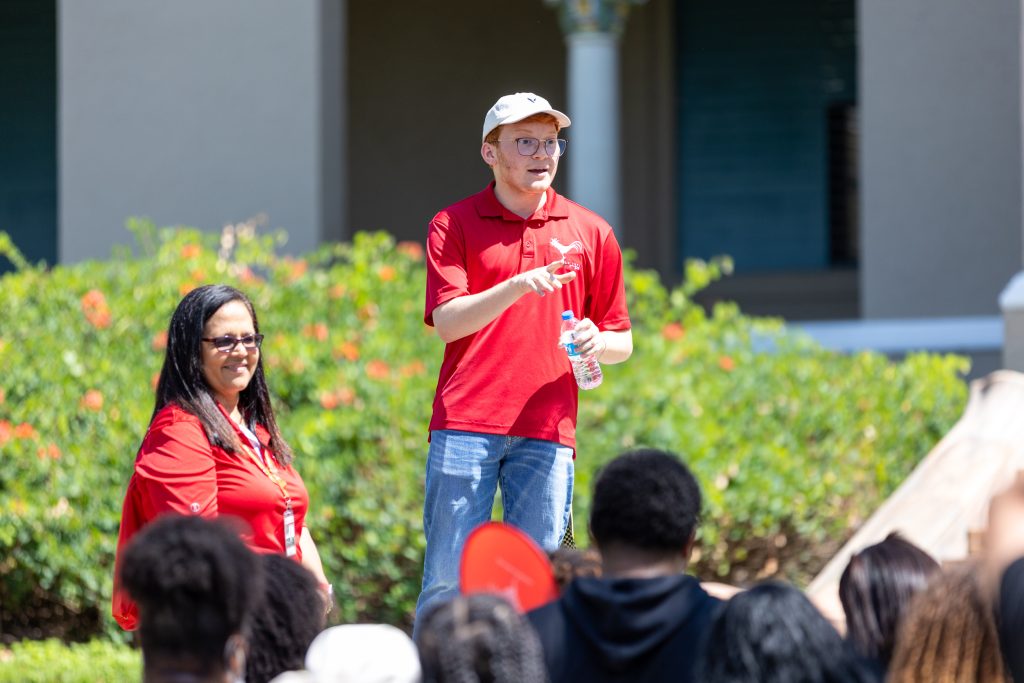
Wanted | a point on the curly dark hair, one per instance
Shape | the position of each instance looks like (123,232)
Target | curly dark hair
(773,634)
(876,588)
(197,585)
(645,499)
(290,615)
(182,381)
(479,638)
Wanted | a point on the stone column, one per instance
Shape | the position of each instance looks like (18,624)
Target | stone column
(592,29)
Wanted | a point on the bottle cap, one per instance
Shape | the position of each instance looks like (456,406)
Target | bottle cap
(567,315)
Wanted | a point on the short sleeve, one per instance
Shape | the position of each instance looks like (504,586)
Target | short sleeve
(176,471)
(606,298)
(446,264)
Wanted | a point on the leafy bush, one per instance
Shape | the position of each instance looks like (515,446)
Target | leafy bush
(794,445)
(50,661)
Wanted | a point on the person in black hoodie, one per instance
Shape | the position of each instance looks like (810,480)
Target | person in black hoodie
(644,619)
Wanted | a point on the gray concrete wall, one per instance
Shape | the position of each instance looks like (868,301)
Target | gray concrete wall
(197,113)
(941,167)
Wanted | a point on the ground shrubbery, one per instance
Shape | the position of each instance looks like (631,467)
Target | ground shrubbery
(794,445)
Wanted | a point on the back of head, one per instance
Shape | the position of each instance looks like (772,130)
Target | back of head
(645,499)
(196,585)
(479,638)
(875,589)
(288,619)
(948,633)
(569,564)
(773,634)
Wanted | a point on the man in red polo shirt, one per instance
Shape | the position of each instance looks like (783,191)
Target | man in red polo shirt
(502,265)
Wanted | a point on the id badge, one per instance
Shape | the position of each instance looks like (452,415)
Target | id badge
(289,533)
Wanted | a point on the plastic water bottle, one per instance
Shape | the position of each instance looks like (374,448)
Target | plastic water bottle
(587,371)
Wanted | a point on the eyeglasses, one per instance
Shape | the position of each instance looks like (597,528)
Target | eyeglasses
(227,343)
(527,147)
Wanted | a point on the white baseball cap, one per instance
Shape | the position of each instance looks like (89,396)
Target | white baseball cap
(516,107)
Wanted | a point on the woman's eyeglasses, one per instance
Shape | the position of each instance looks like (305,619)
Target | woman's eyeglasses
(227,343)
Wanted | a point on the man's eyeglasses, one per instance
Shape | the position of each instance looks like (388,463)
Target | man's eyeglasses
(227,343)
(527,147)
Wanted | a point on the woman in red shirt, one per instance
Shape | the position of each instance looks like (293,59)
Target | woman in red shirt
(213,447)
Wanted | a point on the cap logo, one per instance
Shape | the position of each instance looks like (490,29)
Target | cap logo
(532,99)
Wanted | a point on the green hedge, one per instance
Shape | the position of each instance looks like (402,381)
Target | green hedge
(794,445)
(51,661)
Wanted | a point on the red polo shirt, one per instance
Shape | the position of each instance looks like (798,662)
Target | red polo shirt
(178,470)
(511,377)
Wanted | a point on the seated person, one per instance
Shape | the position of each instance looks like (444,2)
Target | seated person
(949,634)
(286,621)
(644,618)
(875,588)
(479,637)
(196,586)
(773,634)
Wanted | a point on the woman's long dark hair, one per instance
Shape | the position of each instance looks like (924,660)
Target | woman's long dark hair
(773,634)
(876,588)
(182,381)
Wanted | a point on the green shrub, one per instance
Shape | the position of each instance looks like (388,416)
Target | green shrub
(50,661)
(794,445)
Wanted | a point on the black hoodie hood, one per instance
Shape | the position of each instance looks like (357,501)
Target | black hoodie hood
(627,620)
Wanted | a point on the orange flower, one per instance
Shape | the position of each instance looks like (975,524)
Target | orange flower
(198,275)
(377,369)
(345,395)
(160,340)
(316,331)
(673,332)
(296,268)
(346,350)
(50,451)
(186,287)
(368,312)
(337,291)
(95,309)
(6,432)
(154,380)
(727,363)
(328,401)
(413,250)
(247,276)
(412,369)
(24,431)
(189,251)
(93,300)
(93,400)
(386,273)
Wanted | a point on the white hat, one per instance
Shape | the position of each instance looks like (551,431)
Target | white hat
(367,653)
(512,108)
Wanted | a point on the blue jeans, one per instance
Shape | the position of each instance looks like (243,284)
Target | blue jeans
(463,472)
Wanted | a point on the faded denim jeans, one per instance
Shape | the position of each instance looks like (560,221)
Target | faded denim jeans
(464,470)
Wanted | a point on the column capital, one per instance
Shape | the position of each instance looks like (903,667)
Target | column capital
(592,16)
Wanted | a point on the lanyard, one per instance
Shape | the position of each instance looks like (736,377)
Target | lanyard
(268,468)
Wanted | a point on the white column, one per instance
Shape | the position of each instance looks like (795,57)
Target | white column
(594,155)
(592,29)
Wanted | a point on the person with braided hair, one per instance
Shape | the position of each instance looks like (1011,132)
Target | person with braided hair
(949,634)
(479,638)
